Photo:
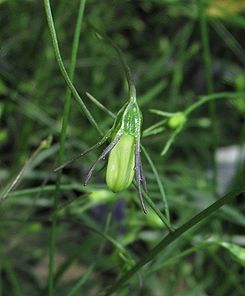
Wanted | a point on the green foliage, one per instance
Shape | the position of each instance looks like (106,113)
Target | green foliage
(58,78)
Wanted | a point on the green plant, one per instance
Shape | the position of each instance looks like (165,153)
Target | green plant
(59,77)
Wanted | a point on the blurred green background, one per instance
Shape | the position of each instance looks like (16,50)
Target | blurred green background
(100,235)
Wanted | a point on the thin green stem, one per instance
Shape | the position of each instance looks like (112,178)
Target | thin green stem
(201,101)
(156,210)
(148,131)
(209,83)
(62,67)
(130,80)
(13,183)
(100,106)
(166,241)
(159,183)
(171,139)
(229,40)
(131,84)
(163,113)
(52,246)
(50,188)
(215,96)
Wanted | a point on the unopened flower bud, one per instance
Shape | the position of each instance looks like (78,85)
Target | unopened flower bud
(176,120)
(121,164)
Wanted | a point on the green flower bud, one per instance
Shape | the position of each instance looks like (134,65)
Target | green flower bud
(121,164)
(176,120)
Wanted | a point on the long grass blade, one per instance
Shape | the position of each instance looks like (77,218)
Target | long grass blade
(171,237)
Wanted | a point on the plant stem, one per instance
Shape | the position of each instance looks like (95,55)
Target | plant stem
(13,183)
(215,96)
(157,211)
(159,182)
(209,84)
(131,84)
(62,67)
(66,112)
(99,105)
(167,240)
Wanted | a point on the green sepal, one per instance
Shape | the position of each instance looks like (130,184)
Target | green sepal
(128,120)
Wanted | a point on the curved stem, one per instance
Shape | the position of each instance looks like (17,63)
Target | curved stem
(160,186)
(102,107)
(131,84)
(62,67)
(215,96)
